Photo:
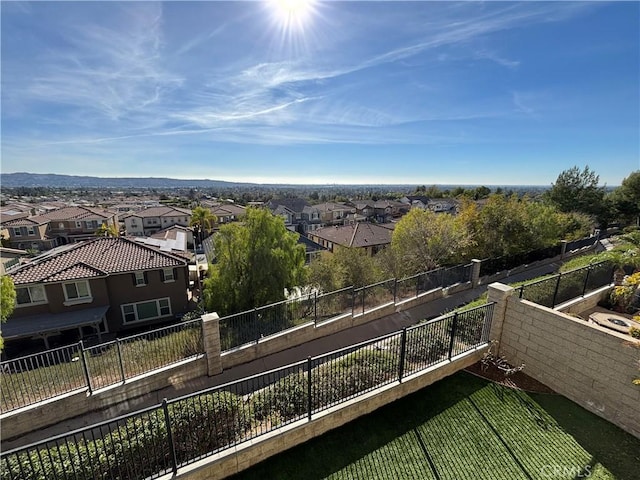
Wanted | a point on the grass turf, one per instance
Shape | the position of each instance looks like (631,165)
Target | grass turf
(464,427)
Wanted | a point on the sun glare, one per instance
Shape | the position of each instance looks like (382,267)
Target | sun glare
(292,14)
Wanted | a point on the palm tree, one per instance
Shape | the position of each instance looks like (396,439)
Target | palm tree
(202,220)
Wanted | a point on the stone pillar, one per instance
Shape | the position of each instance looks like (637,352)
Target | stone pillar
(498,293)
(211,338)
(563,252)
(475,272)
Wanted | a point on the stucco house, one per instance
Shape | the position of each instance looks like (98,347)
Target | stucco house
(105,284)
(151,220)
(368,236)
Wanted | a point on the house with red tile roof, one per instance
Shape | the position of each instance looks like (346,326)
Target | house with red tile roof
(105,284)
(145,223)
(369,236)
(32,232)
(75,224)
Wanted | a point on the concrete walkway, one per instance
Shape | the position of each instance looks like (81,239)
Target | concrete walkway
(326,344)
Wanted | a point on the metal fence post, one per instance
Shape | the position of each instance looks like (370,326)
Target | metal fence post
(255,324)
(315,307)
(120,359)
(586,281)
(364,290)
(85,366)
(353,300)
(403,349)
(555,292)
(172,448)
(454,325)
(309,400)
(395,290)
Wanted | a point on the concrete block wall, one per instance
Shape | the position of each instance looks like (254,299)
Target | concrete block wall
(586,363)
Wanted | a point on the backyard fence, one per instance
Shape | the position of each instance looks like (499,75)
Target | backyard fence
(565,286)
(250,326)
(34,378)
(160,439)
(491,266)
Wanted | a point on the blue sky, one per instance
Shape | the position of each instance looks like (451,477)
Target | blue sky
(323,92)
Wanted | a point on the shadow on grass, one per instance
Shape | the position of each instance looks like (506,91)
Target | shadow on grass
(609,445)
(330,453)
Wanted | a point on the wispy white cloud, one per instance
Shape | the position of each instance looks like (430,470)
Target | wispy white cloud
(112,70)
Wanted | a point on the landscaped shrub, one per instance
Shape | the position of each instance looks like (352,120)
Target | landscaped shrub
(207,423)
(624,298)
(136,449)
(351,374)
(288,397)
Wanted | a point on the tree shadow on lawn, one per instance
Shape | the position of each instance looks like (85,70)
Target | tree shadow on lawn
(612,447)
(320,457)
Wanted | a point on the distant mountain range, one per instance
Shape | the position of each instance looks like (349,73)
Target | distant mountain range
(23,179)
(51,180)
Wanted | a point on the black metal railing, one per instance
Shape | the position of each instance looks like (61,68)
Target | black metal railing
(161,439)
(34,378)
(565,286)
(250,326)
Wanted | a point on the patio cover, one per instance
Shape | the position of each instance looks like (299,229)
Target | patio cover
(51,323)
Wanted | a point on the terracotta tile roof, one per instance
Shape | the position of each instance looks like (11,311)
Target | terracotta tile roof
(77,213)
(26,221)
(161,212)
(94,258)
(358,235)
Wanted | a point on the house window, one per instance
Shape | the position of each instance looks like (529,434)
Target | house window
(31,231)
(167,275)
(138,312)
(77,292)
(61,225)
(17,232)
(78,224)
(140,279)
(30,295)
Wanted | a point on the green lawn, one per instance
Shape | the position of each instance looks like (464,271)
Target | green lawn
(465,428)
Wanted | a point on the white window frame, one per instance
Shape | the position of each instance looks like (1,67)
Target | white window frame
(168,275)
(140,280)
(78,224)
(17,232)
(86,298)
(31,302)
(31,231)
(161,303)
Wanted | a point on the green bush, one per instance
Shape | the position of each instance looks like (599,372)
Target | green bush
(206,423)
(288,397)
(116,455)
(351,374)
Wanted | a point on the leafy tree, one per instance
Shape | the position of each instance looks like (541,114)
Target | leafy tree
(626,199)
(424,240)
(256,261)
(344,267)
(7,300)
(507,225)
(577,190)
(202,220)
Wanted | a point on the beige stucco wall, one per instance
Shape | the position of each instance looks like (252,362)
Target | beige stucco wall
(586,363)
